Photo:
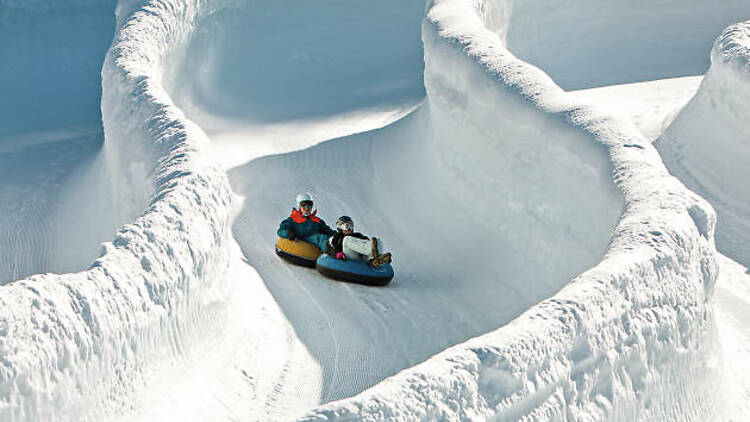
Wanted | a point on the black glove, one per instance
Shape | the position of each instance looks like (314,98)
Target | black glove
(292,235)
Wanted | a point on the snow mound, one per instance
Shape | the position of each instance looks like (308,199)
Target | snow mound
(81,344)
(706,146)
(616,340)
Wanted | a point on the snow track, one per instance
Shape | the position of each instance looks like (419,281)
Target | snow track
(548,266)
(612,362)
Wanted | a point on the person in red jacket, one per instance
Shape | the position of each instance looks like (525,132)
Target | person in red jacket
(348,244)
(303,224)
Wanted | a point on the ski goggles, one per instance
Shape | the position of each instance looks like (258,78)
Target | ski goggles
(306,204)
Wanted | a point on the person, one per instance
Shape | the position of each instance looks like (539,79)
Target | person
(348,244)
(304,224)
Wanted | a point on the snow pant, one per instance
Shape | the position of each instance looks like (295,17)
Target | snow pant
(318,239)
(360,249)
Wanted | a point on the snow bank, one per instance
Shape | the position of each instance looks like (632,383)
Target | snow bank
(583,45)
(626,340)
(707,145)
(79,346)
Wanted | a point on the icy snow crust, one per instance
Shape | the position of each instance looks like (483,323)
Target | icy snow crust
(625,340)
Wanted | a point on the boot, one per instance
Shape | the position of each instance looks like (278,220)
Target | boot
(380,260)
(374,248)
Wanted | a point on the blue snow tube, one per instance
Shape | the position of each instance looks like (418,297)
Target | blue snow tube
(354,271)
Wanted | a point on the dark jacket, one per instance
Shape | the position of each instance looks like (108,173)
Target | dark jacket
(336,242)
(302,226)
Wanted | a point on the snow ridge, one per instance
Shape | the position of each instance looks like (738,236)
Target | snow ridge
(625,340)
(79,346)
(733,47)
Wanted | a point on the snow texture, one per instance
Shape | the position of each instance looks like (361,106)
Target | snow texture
(614,342)
(416,184)
(75,346)
(707,145)
(628,337)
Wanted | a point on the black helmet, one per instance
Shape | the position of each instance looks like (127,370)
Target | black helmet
(344,223)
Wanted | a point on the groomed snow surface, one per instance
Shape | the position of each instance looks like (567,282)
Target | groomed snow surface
(549,266)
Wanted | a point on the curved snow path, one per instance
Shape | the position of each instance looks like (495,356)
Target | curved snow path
(334,340)
(466,262)
(356,336)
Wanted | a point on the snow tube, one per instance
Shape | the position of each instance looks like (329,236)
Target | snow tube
(354,271)
(297,252)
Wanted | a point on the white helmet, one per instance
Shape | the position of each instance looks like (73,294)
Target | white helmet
(303,197)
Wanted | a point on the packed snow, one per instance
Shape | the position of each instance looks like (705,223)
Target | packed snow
(549,266)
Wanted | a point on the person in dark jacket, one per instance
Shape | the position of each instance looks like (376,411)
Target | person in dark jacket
(348,244)
(305,225)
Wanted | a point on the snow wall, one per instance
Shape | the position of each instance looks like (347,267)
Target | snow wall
(78,346)
(303,72)
(626,340)
(707,146)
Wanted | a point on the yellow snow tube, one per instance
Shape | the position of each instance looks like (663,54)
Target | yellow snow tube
(298,252)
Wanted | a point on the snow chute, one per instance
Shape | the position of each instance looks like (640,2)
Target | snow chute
(297,252)
(354,271)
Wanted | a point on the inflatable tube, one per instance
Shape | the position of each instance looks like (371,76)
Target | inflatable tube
(297,252)
(354,271)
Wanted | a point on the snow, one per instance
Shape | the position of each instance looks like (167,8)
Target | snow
(50,137)
(609,344)
(731,300)
(650,106)
(80,346)
(706,144)
(361,337)
(614,42)
(706,147)
(548,265)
